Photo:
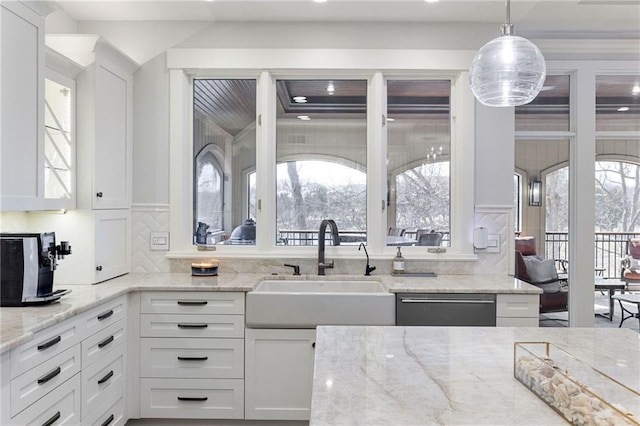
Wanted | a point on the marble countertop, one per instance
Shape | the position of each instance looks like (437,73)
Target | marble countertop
(17,324)
(449,375)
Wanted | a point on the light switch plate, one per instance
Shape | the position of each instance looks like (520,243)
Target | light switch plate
(159,241)
(493,243)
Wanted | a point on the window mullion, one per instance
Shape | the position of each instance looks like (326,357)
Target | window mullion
(376,163)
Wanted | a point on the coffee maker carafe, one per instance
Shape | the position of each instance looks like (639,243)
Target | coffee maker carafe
(27,264)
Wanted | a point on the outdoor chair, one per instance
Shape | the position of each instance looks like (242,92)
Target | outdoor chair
(430,239)
(542,273)
(630,273)
(396,232)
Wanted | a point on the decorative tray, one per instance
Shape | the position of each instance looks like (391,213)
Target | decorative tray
(578,392)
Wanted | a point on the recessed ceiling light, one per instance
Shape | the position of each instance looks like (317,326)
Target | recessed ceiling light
(635,90)
(319,1)
(304,117)
(623,109)
(331,88)
(431,1)
(300,99)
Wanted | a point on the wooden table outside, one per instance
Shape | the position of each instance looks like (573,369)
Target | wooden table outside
(611,285)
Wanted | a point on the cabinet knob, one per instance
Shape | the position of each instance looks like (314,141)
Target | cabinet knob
(99,194)
(99,268)
(313,345)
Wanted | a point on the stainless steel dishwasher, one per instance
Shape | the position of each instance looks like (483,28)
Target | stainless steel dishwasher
(446,309)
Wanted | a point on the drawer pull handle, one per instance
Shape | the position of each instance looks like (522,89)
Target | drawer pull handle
(50,343)
(105,342)
(192,302)
(193,325)
(52,420)
(108,421)
(192,398)
(44,379)
(106,377)
(105,315)
(193,358)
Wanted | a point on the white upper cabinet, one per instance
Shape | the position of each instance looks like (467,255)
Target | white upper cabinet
(105,131)
(22,85)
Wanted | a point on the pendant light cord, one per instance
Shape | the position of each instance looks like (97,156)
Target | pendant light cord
(508,7)
(507,27)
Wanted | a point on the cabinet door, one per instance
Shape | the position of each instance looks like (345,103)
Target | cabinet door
(22,82)
(112,145)
(113,243)
(278,373)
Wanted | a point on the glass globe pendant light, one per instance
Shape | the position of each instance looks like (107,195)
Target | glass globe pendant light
(507,71)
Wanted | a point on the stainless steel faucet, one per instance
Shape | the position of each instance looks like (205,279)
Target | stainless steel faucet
(322,265)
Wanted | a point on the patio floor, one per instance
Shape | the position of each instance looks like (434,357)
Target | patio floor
(601,305)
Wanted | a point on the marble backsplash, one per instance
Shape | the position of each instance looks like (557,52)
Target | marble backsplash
(152,218)
(146,219)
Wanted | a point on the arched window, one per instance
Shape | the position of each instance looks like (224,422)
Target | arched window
(617,196)
(309,191)
(209,193)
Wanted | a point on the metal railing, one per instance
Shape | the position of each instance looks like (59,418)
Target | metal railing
(610,247)
(309,237)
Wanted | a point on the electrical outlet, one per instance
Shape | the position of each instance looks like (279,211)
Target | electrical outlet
(159,241)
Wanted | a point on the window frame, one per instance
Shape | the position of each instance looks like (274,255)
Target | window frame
(462,142)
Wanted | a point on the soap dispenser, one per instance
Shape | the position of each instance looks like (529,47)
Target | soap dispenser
(398,263)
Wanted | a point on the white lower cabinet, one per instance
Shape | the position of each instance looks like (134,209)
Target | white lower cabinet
(60,407)
(278,373)
(112,416)
(517,310)
(192,398)
(102,382)
(192,355)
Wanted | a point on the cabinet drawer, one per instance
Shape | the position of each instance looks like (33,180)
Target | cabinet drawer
(192,358)
(44,378)
(112,416)
(152,325)
(102,381)
(61,407)
(192,398)
(183,302)
(105,315)
(518,305)
(517,322)
(45,344)
(103,342)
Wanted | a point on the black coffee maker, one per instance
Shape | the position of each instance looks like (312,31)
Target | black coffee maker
(27,263)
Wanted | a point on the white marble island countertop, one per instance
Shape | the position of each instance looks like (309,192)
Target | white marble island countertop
(448,375)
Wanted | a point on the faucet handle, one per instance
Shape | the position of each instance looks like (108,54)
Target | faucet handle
(296,268)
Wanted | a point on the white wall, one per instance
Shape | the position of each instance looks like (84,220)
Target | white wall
(151,133)
(494,156)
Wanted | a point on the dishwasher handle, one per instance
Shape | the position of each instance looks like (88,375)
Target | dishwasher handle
(465,301)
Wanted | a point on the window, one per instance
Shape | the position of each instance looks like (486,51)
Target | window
(549,111)
(618,103)
(224,147)
(517,202)
(321,156)
(269,133)
(418,158)
(209,194)
(617,197)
